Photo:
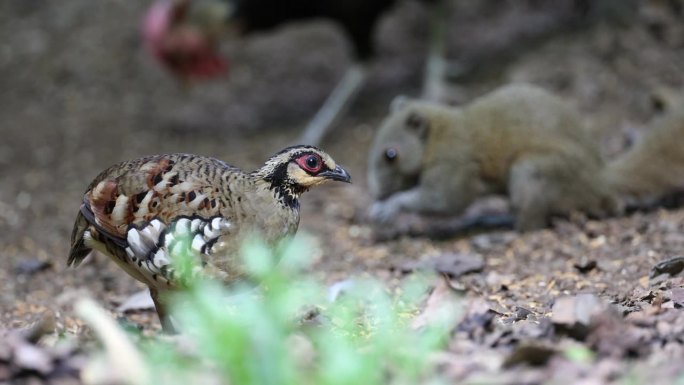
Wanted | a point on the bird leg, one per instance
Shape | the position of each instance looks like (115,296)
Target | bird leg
(335,105)
(436,65)
(166,323)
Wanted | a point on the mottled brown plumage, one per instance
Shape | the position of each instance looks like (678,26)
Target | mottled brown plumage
(144,212)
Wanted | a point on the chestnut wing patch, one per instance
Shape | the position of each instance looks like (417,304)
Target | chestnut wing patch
(158,188)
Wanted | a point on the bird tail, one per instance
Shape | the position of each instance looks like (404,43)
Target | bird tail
(654,168)
(78,248)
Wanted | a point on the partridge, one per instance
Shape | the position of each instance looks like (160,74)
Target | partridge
(143,212)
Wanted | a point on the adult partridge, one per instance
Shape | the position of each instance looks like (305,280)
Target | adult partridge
(143,212)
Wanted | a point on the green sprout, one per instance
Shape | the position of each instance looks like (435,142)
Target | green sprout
(286,331)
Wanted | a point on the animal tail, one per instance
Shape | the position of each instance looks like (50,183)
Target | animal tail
(654,168)
(78,248)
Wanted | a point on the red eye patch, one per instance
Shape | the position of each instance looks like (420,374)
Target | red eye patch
(311,163)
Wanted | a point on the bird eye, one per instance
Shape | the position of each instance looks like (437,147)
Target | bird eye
(391,154)
(311,163)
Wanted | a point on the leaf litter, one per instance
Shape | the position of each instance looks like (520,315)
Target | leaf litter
(586,302)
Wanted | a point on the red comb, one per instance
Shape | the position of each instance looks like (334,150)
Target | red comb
(184,49)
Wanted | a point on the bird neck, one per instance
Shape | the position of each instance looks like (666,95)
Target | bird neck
(283,188)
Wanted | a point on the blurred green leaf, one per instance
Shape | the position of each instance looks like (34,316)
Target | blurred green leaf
(579,354)
(255,335)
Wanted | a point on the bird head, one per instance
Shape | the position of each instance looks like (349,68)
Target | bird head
(183,36)
(296,169)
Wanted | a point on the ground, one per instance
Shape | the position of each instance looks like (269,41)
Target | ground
(78,93)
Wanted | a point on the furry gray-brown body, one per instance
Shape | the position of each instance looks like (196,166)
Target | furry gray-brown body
(520,141)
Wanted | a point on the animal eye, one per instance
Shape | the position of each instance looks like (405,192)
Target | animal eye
(391,154)
(311,163)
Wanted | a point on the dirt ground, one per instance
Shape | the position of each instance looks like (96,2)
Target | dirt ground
(77,93)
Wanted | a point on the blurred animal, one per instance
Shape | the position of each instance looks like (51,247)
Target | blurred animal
(144,213)
(185,29)
(184,39)
(522,141)
(183,35)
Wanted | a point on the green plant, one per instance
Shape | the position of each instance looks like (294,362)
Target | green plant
(286,331)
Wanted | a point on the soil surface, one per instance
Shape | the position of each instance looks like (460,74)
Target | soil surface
(78,93)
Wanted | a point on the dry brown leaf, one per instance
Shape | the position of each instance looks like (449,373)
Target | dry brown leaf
(442,305)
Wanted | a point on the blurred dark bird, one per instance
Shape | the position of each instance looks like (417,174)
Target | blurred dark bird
(144,213)
(184,35)
(187,42)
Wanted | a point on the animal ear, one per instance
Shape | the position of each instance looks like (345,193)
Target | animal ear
(417,123)
(398,103)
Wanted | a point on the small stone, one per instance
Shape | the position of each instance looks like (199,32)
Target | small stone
(671,267)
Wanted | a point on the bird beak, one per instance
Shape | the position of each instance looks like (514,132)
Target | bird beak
(337,174)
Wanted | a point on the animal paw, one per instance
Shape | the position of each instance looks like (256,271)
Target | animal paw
(383,211)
